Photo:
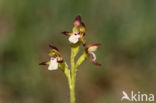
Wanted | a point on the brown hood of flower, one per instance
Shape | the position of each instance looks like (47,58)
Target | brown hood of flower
(77,21)
(55,53)
(90,46)
(82,29)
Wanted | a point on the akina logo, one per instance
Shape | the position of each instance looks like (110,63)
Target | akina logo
(137,97)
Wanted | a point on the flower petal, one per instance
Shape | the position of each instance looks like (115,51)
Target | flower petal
(77,21)
(82,29)
(53,47)
(67,33)
(96,63)
(74,38)
(93,55)
(83,41)
(59,60)
(54,52)
(92,47)
(53,65)
(75,30)
(93,61)
(90,51)
(44,63)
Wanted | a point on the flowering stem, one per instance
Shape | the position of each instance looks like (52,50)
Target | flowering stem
(74,68)
(72,88)
(66,71)
(81,59)
(76,38)
(74,52)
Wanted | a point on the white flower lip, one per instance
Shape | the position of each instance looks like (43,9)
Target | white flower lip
(53,65)
(93,55)
(74,38)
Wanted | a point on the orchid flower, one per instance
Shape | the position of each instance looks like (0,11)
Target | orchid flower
(77,33)
(55,58)
(90,49)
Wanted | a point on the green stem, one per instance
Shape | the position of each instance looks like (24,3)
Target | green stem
(72,89)
(68,76)
(74,68)
(74,52)
(81,59)
(67,73)
(73,79)
(71,75)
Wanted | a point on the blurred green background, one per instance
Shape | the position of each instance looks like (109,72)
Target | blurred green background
(125,28)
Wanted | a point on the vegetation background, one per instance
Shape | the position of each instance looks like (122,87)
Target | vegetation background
(125,28)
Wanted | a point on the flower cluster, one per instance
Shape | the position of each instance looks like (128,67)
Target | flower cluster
(76,37)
